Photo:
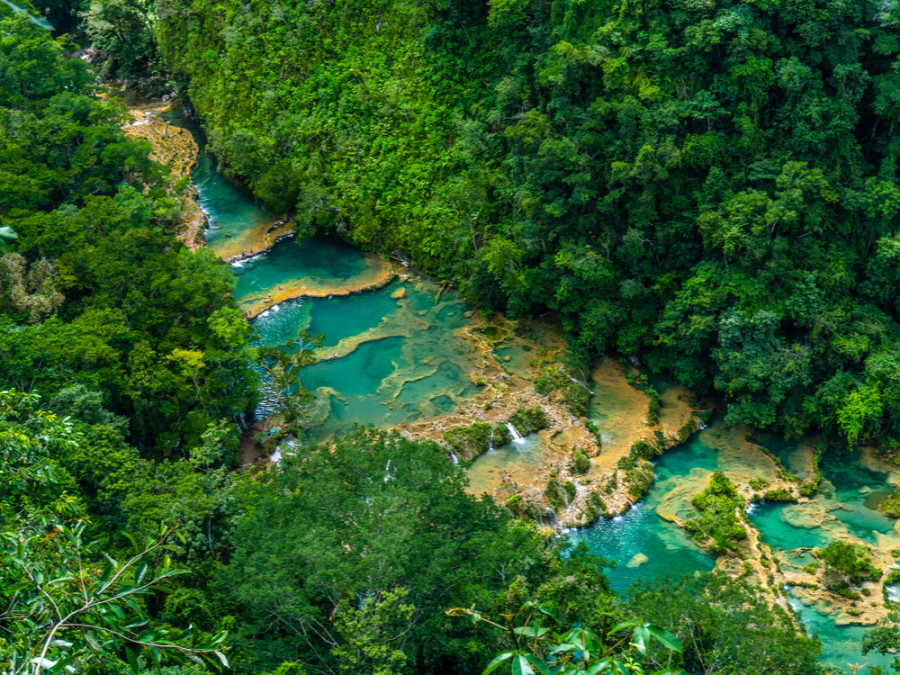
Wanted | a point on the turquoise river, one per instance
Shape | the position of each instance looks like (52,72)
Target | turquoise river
(396,354)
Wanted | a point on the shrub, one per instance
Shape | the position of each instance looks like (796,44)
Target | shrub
(758,483)
(550,380)
(718,525)
(645,450)
(779,495)
(654,409)
(470,441)
(529,420)
(581,463)
(891,506)
(846,564)
(577,399)
(640,478)
(596,507)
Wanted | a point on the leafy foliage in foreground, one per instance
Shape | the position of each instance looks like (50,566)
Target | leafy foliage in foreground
(579,651)
(64,602)
(710,615)
(709,186)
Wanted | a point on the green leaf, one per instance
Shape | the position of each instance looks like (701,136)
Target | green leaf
(92,642)
(222,659)
(521,666)
(139,574)
(668,640)
(497,661)
(43,663)
(538,664)
(622,626)
(600,667)
(531,631)
(640,638)
(132,660)
(107,573)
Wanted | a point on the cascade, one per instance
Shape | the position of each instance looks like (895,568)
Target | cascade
(454,459)
(491,441)
(516,436)
(582,384)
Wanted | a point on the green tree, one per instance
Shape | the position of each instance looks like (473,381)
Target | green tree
(367,526)
(709,614)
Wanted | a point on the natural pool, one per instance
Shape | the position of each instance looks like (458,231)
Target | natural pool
(643,533)
(645,546)
(391,355)
(513,461)
(385,360)
(390,359)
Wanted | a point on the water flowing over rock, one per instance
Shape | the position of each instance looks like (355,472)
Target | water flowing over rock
(516,436)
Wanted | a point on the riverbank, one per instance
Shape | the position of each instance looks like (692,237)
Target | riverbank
(378,275)
(176,148)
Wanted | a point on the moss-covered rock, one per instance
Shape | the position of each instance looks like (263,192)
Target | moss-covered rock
(470,441)
(581,464)
(529,420)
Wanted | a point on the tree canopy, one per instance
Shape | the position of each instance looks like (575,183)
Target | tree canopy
(709,187)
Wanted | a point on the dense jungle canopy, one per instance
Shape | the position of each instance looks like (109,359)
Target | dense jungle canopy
(705,186)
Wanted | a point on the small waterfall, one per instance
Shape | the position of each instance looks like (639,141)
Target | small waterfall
(491,441)
(387,471)
(454,459)
(516,436)
(893,593)
(582,384)
(284,448)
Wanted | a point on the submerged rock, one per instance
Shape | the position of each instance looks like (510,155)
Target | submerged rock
(637,560)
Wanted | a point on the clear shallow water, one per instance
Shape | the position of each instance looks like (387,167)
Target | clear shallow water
(854,486)
(790,452)
(516,359)
(668,548)
(315,266)
(682,471)
(237,222)
(385,360)
(776,531)
(512,460)
(840,643)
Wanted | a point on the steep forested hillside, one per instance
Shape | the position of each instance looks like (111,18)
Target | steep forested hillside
(709,186)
